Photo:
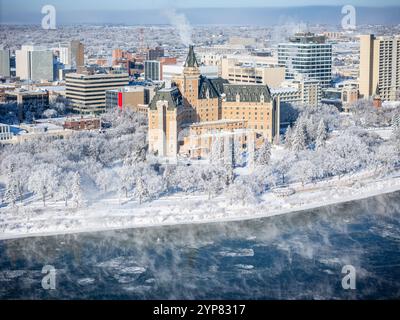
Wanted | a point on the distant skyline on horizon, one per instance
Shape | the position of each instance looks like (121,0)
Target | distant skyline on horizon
(9,6)
(128,12)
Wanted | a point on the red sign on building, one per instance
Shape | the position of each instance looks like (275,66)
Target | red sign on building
(120,100)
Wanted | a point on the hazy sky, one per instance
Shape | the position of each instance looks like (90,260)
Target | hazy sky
(244,12)
(68,5)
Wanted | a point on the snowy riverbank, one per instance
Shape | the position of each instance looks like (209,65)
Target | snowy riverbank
(109,214)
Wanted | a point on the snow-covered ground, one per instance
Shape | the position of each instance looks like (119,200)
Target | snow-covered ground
(109,214)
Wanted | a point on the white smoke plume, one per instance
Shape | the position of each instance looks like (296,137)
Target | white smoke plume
(287,28)
(181,23)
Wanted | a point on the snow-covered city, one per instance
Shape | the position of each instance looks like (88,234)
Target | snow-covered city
(113,129)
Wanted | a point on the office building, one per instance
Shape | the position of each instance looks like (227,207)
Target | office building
(27,100)
(152,70)
(34,63)
(87,92)
(134,98)
(380,66)
(5,63)
(237,72)
(307,54)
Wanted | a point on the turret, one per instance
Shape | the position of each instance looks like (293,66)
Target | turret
(191,61)
(191,64)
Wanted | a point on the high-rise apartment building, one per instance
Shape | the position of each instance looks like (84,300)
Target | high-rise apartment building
(4,63)
(87,92)
(307,54)
(380,66)
(34,63)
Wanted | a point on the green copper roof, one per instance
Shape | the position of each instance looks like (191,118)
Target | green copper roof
(247,92)
(191,60)
(172,96)
(213,86)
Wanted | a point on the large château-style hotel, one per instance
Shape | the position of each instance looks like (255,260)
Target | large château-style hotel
(187,116)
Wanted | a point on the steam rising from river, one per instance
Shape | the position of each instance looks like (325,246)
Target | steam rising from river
(293,256)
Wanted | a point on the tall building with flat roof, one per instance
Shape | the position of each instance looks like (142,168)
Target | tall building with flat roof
(34,63)
(307,54)
(4,63)
(77,54)
(247,73)
(87,93)
(152,70)
(380,66)
(63,55)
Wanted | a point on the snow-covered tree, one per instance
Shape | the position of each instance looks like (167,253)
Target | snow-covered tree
(298,140)
(396,132)
(277,140)
(44,180)
(212,180)
(264,154)
(64,190)
(126,179)
(387,158)
(303,171)
(240,192)
(141,190)
(187,178)
(50,113)
(76,190)
(281,168)
(347,153)
(217,151)
(168,177)
(229,175)
(11,192)
(288,138)
(321,135)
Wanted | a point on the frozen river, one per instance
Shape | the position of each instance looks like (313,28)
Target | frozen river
(293,256)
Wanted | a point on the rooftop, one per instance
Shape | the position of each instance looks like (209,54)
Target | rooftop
(95,76)
(307,37)
(172,95)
